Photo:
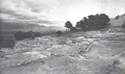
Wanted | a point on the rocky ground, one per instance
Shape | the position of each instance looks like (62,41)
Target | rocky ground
(93,52)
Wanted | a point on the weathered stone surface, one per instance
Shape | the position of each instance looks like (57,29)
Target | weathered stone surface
(68,54)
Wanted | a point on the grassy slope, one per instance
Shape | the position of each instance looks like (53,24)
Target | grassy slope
(118,22)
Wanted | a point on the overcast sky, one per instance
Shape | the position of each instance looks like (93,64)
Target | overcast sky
(57,12)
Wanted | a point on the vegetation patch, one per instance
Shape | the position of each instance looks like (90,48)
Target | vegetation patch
(92,22)
(7,41)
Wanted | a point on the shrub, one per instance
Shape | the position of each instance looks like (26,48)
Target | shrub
(68,24)
(7,41)
(59,32)
(37,34)
(73,29)
(117,17)
(123,25)
(1,41)
(19,35)
(29,34)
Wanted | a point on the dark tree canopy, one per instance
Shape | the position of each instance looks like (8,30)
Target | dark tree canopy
(68,24)
(93,22)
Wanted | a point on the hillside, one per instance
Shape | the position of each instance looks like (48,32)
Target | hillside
(119,21)
(100,52)
(13,26)
(91,52)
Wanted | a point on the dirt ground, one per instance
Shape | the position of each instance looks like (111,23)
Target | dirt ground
(99,53)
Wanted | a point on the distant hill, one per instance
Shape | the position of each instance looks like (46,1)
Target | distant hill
(13,26)
(118,20)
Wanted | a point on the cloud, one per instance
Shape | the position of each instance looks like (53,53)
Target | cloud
(9,12)
(37,10)
(24,11)
(54,11)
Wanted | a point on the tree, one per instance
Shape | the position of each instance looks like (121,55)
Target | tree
(104,19)
(73,29)
(117,17)
(68,24)
(93,22)
(91,17)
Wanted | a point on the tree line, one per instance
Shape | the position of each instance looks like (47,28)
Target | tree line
(9,41)
(92,22)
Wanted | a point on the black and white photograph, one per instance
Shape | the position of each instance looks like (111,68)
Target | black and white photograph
(62,36)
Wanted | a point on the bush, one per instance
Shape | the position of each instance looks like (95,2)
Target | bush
(7,41)
(117,17)
(19,35)
(68,24)
(29,34)
(37,34)
(59,32)
(123,25)
(73,29)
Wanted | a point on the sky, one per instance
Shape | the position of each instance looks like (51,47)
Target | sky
(57,12)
